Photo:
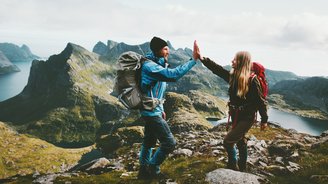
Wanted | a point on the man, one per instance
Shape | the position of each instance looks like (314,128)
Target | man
(154,76)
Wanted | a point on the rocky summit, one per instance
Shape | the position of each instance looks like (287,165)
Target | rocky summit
(276,155)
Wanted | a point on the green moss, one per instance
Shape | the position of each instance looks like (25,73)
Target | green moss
(110,177)
(67,125)
(181,112)
(268,134)
(21,154)
(190,170)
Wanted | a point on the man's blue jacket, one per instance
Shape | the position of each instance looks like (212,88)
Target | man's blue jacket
(154,76)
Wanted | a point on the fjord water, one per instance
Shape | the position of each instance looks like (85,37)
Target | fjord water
(292,121)
(12,84)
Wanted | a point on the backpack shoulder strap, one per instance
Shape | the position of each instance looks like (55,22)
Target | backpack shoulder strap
(252,77)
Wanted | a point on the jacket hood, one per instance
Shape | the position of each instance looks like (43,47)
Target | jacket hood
(158,60)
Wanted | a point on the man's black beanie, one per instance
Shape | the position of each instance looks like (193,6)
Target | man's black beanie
(156,44)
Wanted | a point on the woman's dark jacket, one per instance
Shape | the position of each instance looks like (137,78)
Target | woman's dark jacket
(254,98)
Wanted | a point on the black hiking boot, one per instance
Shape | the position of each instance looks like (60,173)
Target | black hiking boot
(156,175)
(232,166)
(144,174)
(160,176)
(242,166)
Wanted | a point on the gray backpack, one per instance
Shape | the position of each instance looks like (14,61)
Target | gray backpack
(127,82)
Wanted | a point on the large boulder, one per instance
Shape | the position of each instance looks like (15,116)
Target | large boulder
(284,148)
(125,136)
(181,114)
(208,105)
(223,176)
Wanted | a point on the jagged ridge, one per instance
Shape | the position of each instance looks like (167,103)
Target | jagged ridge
(66,98)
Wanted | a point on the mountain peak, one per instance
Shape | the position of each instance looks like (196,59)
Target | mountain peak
(170,45)
(111,44)
(71,47)
(25,48)
(16,54)
(75,50)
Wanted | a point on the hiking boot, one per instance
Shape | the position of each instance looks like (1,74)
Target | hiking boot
(143,173)
(160,176)
(155,173)
(242,166)
(242,161)
(232,166)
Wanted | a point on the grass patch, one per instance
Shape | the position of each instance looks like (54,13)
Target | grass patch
(21,154)
(190,170)
(110,177)
(268,134)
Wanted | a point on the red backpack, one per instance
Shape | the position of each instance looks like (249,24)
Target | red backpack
(259,70)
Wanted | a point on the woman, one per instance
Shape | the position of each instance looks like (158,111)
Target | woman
(246,97)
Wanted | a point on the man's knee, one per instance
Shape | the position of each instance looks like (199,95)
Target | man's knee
(169,146)
(149,143)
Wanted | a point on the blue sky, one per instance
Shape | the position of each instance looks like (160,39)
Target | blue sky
(285,35)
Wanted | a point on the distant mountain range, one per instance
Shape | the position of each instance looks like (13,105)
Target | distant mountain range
(199,78)
(306,93)
(11,53)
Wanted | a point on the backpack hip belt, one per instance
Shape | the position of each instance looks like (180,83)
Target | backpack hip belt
(236,109)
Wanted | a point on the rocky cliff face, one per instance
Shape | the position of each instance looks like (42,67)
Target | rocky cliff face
(66,98)
(6,66)
(16,54)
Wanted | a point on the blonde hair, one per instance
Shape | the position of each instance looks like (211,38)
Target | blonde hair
(239,75)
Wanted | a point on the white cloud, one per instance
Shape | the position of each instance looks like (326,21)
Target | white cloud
(273,32)
(305,31)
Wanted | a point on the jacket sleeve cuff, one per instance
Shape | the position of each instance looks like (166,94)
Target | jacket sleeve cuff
(193,62)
